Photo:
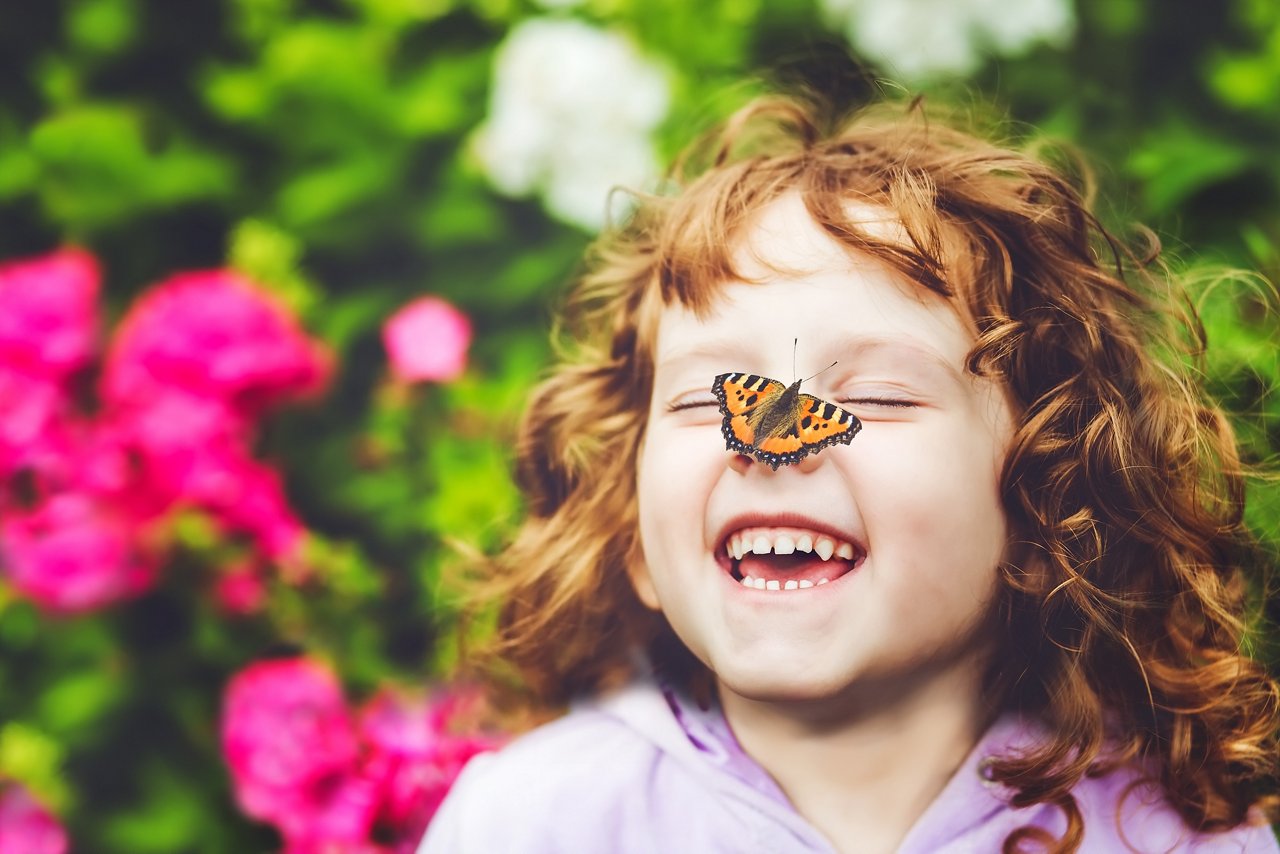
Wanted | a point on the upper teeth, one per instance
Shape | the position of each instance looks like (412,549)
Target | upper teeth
(762,542)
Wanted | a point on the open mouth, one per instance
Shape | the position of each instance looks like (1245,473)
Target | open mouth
(783,558)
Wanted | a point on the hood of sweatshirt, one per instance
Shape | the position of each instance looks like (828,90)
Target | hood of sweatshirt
(702,740)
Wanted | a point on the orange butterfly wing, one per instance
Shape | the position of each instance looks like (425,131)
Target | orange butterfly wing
(814,423)
(740,395)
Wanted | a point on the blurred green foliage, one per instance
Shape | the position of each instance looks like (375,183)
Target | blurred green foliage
(323,146)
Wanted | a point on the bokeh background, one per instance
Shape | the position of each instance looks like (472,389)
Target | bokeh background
(278,274)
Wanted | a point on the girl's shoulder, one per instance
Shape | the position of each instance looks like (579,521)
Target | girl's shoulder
(1123,810)
(529,789)
(592,764)
(1127,811)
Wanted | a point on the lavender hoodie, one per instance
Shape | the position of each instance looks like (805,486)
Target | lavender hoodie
(646,771)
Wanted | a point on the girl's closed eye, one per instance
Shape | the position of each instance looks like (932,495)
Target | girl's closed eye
(691,402)
(879,400)
(695,402)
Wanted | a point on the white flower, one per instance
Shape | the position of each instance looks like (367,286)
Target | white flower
(571,116)
(921,38)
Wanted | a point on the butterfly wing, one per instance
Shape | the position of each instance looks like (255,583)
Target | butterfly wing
(821,423)
(741,396)
(812,424)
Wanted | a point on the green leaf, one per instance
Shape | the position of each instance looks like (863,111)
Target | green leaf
(18,169)
(238,94)
(75,701)
(169,818)
(257,20)
(19,621)
(335,62)
(443,97)
(473,492)
(1117,17)
(326,193)
(270,256)
(402,13)
(460,213)
(1177,161)
(344,319)
(99,164)
(102,26)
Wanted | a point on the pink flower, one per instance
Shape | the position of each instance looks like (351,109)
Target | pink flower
(174,424)
(190,450)
(48,314)
(74,552)
(26,826)
(158,456)
(335,817)
(77,531)
(415,756)
(241,590)
(247,496)
(427,340)
(291,745)
(48,330)
(29,410)
(215,334)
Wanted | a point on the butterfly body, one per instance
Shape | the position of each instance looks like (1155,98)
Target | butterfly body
(777,424)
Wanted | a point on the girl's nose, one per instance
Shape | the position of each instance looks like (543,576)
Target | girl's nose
(741,463)
(809,463)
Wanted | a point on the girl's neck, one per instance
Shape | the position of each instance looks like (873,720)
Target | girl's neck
(863,768)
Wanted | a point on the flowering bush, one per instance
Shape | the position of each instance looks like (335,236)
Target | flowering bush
(96,493)
(330,780)
(924,38)
(571,115)
(191,369)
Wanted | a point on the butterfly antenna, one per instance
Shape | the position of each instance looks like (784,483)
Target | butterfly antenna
(795,345)
(827,368)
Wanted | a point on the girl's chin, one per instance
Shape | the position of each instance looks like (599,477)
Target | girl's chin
(772,689)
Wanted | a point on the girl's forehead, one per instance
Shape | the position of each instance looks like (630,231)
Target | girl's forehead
(833,312)
(788,278)
(783,237)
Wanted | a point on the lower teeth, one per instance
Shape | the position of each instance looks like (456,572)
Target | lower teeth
(774,584)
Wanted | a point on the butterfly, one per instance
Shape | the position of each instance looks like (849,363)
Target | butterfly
(776,423)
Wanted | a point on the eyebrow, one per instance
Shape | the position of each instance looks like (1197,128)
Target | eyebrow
(906,346)
(719,348)
(852,347)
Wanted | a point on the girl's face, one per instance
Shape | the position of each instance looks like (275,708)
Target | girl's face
(915,494)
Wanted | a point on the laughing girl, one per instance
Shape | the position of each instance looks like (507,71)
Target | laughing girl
(1009,613)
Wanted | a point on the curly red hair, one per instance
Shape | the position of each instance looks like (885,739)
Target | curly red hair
(1125,606)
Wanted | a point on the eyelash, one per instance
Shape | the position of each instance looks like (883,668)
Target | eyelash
(875,401)
(689,404)
(880,401)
